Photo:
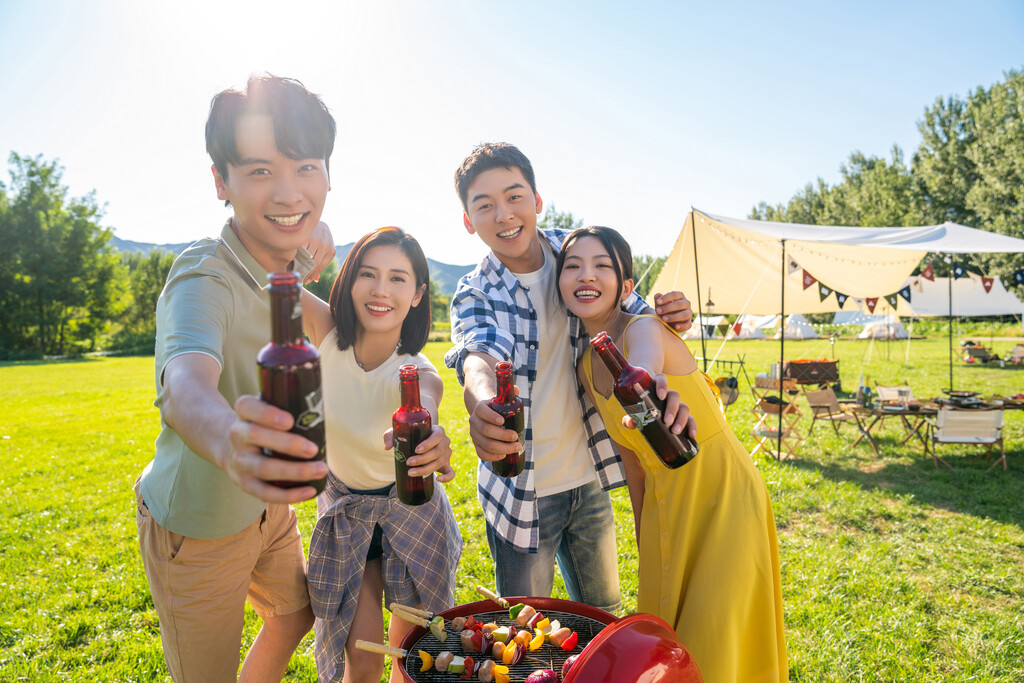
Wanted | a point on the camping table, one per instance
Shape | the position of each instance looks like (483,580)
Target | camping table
(914,421)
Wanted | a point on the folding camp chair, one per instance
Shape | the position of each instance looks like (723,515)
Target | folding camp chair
(825,406)
(982,427)
(1016,356)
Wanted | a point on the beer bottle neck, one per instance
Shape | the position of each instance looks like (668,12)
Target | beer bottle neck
(410,388)
(506,391)
(286,316)
(611,356)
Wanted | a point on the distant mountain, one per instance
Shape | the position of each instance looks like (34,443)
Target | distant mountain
(445,275)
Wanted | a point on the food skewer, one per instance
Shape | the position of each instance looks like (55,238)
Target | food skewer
(445,662)
(422,613)
(492,596)
(419,617)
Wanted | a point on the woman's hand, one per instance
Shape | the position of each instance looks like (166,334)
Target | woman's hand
(677,414)
(433,454)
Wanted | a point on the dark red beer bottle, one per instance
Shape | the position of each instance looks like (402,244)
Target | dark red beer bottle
(290,372)
(635,390)
(412,425)
(510,407)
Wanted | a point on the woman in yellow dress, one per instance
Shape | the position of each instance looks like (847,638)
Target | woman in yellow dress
(709,558)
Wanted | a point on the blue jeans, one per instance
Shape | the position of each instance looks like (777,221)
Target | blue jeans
(577,527)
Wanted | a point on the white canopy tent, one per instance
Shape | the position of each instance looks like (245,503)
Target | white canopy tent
(764,267)
(797,327)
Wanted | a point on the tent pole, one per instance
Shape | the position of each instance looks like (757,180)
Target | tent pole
(949,280)
(782,345)
(696,275)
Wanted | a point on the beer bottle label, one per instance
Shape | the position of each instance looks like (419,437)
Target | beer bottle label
(643,413)
(313,414)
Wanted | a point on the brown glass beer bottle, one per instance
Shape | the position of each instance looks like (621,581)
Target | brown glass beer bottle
(290,372)
(412,425)
(635,390)
(510,407)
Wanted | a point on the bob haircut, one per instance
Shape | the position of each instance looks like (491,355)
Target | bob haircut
(614,243)
(416,326)
(303,127)
(487,156)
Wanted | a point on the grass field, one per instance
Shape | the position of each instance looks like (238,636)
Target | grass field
(892,570)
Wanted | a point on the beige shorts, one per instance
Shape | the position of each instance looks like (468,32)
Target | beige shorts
(199,587)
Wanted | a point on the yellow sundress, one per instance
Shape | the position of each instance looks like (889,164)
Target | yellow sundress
(709,556)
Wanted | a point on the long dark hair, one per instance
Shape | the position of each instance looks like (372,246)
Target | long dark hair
(416,326)
(614,243)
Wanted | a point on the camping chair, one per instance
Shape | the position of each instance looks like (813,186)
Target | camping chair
(982,427)
(979,354)
(825,406)
(1016,356)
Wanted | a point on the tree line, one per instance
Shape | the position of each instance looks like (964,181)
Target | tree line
(65,290)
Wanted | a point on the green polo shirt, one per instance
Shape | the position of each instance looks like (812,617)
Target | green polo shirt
(215,303)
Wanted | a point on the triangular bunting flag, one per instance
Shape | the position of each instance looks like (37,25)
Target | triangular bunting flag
(905,293)
(987,283)
(893,299)
(793,266)
(723,327)
(928,273)
(958,271)
(809,279)
(823,291)
(841,299)
(1018,277)
(871,303)
(737,328)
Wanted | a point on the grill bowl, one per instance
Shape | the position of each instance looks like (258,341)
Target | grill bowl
(587,621)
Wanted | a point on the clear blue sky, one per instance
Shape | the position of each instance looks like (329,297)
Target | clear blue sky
(631,112)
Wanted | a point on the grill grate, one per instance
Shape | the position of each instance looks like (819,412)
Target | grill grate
(547,656)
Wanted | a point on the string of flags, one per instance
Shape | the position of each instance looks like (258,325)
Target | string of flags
(927,273)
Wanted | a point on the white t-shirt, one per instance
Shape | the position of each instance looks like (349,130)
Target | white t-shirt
(358,406)
(561,460)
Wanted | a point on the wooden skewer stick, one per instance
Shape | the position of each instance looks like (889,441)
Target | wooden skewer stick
(410,617)
(492,596)
(381,648)
(411,610)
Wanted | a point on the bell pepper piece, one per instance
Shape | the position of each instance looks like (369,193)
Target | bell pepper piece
(542,623)
(428,660)
(470,669)
(500,677)
(570,642)
(509,654)
(458,665)
(514,610)
(538,640)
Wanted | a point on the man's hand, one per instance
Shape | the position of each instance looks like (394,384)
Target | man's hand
(674,308)
(433,454)
(321,248)
(677,414)
(261,425)
(490,438)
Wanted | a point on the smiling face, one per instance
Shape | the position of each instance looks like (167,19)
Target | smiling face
(277,200)
(588,282)
(384,290)
(502,209)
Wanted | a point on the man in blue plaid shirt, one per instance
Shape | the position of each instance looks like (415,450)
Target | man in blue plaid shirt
(508,309)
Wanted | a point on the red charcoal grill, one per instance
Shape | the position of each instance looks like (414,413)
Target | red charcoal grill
(638,649)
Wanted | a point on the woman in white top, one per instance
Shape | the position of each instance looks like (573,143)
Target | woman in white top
(366,544)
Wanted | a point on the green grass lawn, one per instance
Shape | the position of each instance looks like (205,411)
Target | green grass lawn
(892,570)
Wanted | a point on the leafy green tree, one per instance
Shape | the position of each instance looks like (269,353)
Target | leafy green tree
(439,303)
(322,287)
(651,265)
(563,220)
(67,282)
(147,274)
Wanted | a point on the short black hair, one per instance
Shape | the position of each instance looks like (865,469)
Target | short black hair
(416,326)
(303,126)
(614,243)
(487,156)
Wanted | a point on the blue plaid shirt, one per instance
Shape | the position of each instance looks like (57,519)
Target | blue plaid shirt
(492,313)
